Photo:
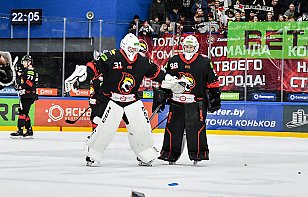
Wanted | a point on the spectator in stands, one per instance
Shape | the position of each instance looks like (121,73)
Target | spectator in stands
(255,19)
(167,26)
(186,8)
(225,18)
(251,15)
(243,15)
(284,5)
(238,17)
(186,25)
(146,29)
(200,4)
(290,11)
(200,14)
(276,9)
(291,18)
(281,18)
(155,24)
(269,17)
(173,8)
(303,8)
(136,22)
(216,10)
(158,9)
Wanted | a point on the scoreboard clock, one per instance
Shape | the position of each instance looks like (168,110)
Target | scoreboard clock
(20,16)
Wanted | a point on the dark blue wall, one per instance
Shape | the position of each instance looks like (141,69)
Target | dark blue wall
(111,12)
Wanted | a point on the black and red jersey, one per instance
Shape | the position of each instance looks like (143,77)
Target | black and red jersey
(198,71)
(27,83)
(122,76)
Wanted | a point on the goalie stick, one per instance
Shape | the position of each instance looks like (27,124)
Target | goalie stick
(155,112)
(74,121)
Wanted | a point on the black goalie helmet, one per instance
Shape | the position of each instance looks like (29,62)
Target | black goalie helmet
(27,58)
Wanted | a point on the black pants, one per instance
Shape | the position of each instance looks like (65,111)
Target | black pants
(97,110)
(24,118)
(191,118)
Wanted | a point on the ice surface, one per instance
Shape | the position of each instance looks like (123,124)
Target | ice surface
(53,165)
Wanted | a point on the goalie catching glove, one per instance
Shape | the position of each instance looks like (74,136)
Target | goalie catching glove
(79,74)
(174,84)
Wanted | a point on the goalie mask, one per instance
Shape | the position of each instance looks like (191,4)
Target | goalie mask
(190,46)
(130,45)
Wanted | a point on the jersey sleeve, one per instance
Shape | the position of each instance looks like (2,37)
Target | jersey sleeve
(212,81)
(155,73)
(29,79)
(105,59)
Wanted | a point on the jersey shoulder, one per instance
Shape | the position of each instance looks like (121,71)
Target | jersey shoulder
(109,54)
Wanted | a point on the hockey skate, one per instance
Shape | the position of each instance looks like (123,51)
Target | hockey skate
(141,163)
(89,161)
(28,134)
(17,135)
(195,162)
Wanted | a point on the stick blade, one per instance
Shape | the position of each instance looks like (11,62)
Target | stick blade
(70,121)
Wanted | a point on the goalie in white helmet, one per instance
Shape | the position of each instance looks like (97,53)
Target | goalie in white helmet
(123,71)
(190,47)
(188,109)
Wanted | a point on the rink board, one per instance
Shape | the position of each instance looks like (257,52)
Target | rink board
(49,114)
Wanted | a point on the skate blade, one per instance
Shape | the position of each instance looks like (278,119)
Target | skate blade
(145,164)
(195,163)
(16,137)
(172,162)
(89,164)
(28,137)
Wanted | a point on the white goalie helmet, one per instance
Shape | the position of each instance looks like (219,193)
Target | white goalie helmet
(130,45)
(190,46)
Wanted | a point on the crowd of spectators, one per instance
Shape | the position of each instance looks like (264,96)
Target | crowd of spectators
(202,16)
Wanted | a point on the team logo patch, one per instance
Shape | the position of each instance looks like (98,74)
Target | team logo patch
(191,81)
(143,46)
(126,84)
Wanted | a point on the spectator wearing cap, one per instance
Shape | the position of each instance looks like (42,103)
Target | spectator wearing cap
(173,8)
(136,22)
(158,9)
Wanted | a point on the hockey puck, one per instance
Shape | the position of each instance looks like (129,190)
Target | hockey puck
(299,172)
(173,184)
(245,164)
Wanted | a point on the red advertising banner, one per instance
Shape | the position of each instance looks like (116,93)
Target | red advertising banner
(54,112)
(81,93)
(47,91)
(262,74)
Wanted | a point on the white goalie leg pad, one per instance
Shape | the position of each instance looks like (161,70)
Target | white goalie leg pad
(104,132)
(139,132)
